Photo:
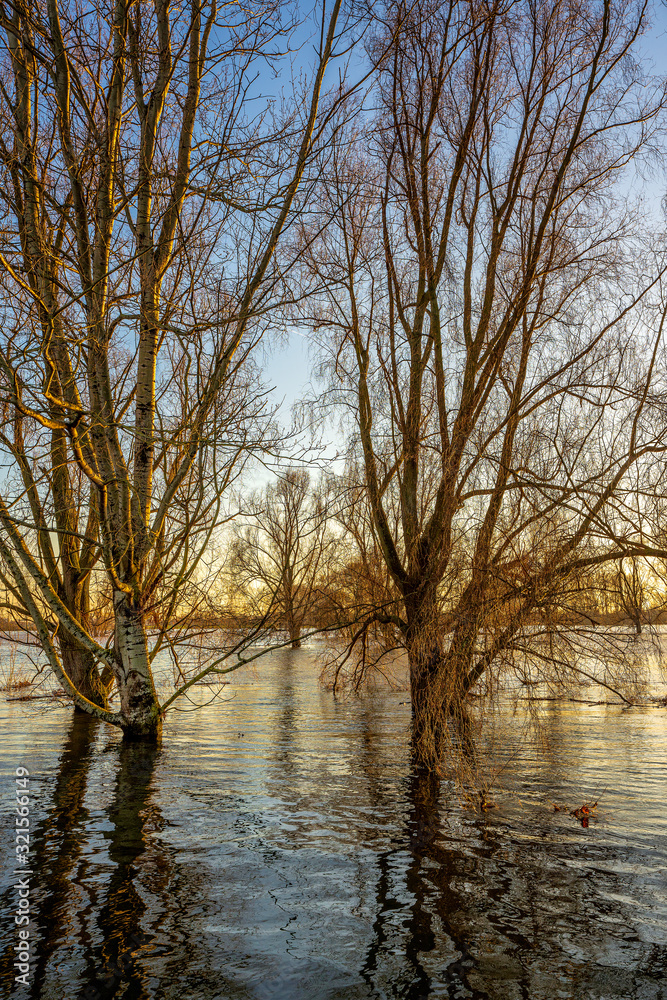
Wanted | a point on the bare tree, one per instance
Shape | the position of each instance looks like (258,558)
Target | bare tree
(632,591)
(634,582)
(475,285)
(144,203)
(281,560)
(363,597)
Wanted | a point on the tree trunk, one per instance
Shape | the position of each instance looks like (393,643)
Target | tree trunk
(80,666)
(295,634)
(426,663)
(139,707)
(437,684)
(292,623)
(79,663)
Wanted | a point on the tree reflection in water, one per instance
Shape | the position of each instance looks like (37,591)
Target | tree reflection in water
(464,912)
(392,924)
(281,847)
(56,846)
(411,923)
(87,924)
(115,960)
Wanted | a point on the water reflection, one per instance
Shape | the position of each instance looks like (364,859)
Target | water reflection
(57,844)
(282,846)
(114,966)
(402,930)
(58,841)
(286,751)
(87,911)
(501,920)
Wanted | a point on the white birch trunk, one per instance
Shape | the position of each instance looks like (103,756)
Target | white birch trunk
(139,707)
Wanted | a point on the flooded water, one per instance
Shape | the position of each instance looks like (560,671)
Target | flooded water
(278,846)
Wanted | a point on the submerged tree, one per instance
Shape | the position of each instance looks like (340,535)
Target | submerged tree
(632,591)
(144,200)
(281,560)
(475,283)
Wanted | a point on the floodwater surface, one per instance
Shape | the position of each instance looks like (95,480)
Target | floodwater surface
(278,846)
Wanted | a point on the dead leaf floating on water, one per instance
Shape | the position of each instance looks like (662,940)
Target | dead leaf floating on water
(583,813)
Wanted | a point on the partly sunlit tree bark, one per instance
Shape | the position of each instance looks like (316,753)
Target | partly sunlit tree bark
(475,288)
(133,282)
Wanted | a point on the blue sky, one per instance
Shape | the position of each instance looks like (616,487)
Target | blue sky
(288,363)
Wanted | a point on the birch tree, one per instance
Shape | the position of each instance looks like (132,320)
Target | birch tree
(146,186)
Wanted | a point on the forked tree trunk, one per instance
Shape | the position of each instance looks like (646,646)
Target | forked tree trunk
(139,707)
(80,666)
(80,663)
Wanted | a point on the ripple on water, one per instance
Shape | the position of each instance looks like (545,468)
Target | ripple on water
(279,846)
